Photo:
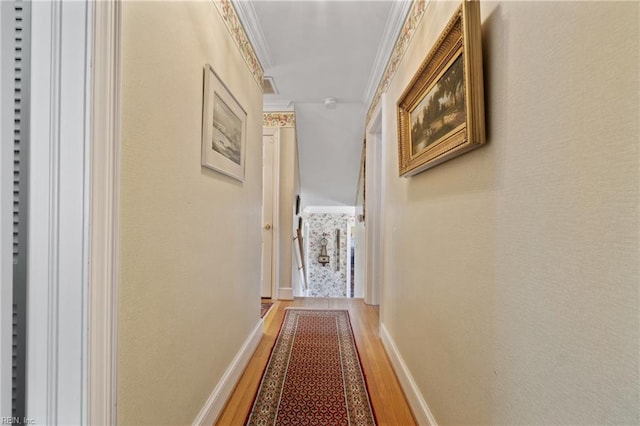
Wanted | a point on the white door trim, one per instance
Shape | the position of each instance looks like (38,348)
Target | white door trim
(374,207)
(58,214)
(104,217)
(275,226)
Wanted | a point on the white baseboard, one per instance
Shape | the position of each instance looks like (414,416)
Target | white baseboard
(418,405)
(285,293)
(221,393)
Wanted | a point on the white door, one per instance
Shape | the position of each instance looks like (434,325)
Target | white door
(268,204)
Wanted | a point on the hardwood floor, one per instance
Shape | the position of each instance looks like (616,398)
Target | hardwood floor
(389,403)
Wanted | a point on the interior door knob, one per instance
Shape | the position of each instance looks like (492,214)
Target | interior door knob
(267,227)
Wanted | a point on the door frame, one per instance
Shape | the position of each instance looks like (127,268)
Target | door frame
(104,214)
(73,250)
(59,178)
(374,206)
(275,217)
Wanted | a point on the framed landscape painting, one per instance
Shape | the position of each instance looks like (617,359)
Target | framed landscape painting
(224,128)
(441,112)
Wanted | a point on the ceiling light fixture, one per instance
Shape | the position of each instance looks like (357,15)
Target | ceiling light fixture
(330,103)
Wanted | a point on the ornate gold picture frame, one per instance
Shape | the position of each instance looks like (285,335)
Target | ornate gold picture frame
(441,112)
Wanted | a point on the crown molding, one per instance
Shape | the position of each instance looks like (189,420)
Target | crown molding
(247,15)
(277,106)
(411,22)
(395,22)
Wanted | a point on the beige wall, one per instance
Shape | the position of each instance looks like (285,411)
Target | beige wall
(511,273)
(190,237)
(288,180)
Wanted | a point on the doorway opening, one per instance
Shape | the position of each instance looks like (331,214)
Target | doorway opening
(270,181)
(329,251)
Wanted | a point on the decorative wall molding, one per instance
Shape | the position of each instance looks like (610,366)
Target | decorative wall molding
(220,394)
(279,119)
(395,22)
(404,38)
(230,17)
(418,405)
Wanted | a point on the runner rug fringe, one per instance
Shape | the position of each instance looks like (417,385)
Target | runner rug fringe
(313,376)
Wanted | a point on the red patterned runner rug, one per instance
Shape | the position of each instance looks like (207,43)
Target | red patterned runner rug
(313,376)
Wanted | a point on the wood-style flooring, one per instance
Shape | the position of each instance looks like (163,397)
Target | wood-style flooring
(389,403)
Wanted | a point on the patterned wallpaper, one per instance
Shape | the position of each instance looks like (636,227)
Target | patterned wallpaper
(230,17)
(279,119)
(328,280)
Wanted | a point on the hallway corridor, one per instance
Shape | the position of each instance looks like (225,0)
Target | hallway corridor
(502,284)
(389,403)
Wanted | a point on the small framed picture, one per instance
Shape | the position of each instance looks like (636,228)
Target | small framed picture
(224,128)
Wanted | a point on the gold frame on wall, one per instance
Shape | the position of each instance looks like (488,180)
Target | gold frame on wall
(441,112)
